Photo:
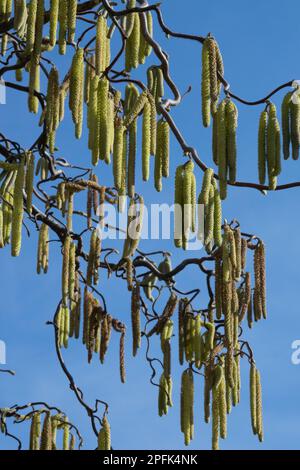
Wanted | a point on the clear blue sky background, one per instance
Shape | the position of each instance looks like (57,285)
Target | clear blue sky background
(260,45)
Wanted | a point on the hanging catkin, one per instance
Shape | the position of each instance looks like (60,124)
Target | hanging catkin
(31,21)
(178,202)
(187,406)
(104,437)
(231,126)
(17,215)
(146,141)
(118,152)
(34,83)
(29,181)
(63,25)
(93,120)
(187,205)
(52,110)
(217,218)
(295,127)
(221,148)
(158,157)
(72,11)
(34,437)
(100,61)
(122,357)
(43,249)
(286,124)
(273,146)
(259,420)
(54,8)
(20,16)
(104,147)
(206,184)
(132,141)
(163,147)
(135,319)
(205,85)
(262,147)
(46,437)
(133,44)
(76,90)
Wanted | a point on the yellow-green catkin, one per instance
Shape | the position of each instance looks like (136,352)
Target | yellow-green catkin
(187,406)
(72,274)
(54,8)
(145,47)
(158,157)
(63,25)
(76,90)
(253,398)
(217,218)
(286,124)
(34,83)
(39,27)
(295,127)
(35,426)
(29,181)
(104,147)
(259,419)
(206,185)
(133,45)
(104,436)
(130,17)
(46,437)
(132,145)
(146,141)
(43,249)
(178,202)
(31,21)
(52,110)
(20,17)
(211,45)
(193,202)
(205,85)
(153,124)
(262,147)
(88,75)
(163,396)
(216,407)
(100,53)
(164,148)
(187,201)
(118,152)
(93,120)
(17,215)
(66,436)
(209,214)
(65,270)
(231,149)
(221,149)
(72,11)
(273,146)
(135,319)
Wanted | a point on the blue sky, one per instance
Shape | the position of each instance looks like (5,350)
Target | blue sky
(259,42)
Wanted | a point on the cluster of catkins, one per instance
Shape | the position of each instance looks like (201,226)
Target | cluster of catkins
(15,179)
(137,48)
(225,116)
(209,340)
(209,208)
(112,122)
(43,435)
